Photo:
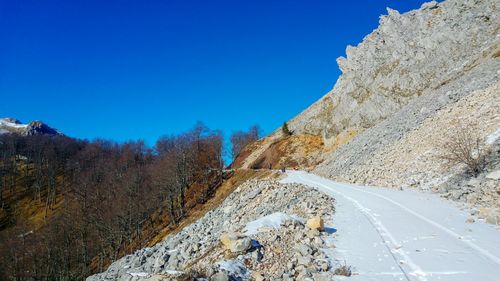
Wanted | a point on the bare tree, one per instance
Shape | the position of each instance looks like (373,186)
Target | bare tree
(240,139)
(463,146)
(110,192)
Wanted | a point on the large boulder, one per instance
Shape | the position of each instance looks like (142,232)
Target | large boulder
(316,223)
(236,243)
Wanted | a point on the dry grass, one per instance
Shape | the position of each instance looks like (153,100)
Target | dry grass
(24,207)
(297,151)
(251,152)
(34,211)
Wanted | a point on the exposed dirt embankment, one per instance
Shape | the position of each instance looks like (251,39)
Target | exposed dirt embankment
(274,152)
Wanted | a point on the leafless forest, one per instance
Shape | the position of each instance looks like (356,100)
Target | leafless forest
(70,207)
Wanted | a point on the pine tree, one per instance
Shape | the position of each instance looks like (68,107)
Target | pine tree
(285,130)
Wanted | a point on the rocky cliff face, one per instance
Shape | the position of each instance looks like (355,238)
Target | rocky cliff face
(12,125)
(413,65)
(408,56)
(406,90)
(402,92)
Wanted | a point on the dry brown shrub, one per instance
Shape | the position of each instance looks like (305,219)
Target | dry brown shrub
(463,146)
(343,270)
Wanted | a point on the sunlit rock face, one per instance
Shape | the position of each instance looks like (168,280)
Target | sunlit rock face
(407,56)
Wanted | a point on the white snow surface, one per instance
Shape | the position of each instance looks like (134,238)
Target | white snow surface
(491,139)
(272,221)
(6,123)
(173,272)
(138,274)
(389,234)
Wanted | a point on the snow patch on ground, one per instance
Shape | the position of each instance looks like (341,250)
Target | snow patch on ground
(173,272)
(6,123)
(272,221)
(235,267)
(138,274)
(491,139)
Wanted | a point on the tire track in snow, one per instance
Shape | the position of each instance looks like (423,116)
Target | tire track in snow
(477,250)
(450,232)
(386,236)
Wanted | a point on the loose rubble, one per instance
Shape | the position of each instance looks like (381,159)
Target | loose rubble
(258,233)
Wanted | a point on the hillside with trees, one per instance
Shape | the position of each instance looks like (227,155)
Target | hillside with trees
(69,207)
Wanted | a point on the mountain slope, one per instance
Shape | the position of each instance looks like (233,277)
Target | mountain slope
(427,54)
(12,125)
(401,93)
(405,90)
(407,56)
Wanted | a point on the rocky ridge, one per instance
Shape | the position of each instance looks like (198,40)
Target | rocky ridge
(403,149)
(407,56)
(264,230)
(405,71)
(14,126)
(402,92)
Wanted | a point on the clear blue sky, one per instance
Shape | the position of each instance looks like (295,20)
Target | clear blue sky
(140,69)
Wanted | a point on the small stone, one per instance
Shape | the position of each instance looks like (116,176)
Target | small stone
(492,218)
(257,255)
(257,276)
(236,243)
(495,175)
(474,182)
(321,276)
(312,233)
(484,212)
(220,276)
(303,249)
(318,241)
(316,223)
(304,260)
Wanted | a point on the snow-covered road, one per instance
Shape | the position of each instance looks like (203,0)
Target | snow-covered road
(388,234)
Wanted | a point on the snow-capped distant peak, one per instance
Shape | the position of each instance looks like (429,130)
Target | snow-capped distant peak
(14,126)
(12,122)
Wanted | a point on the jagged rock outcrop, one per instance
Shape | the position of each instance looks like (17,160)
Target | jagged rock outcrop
(12,125)
(411,66)
(458,83)
(407,56)
(402,92)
